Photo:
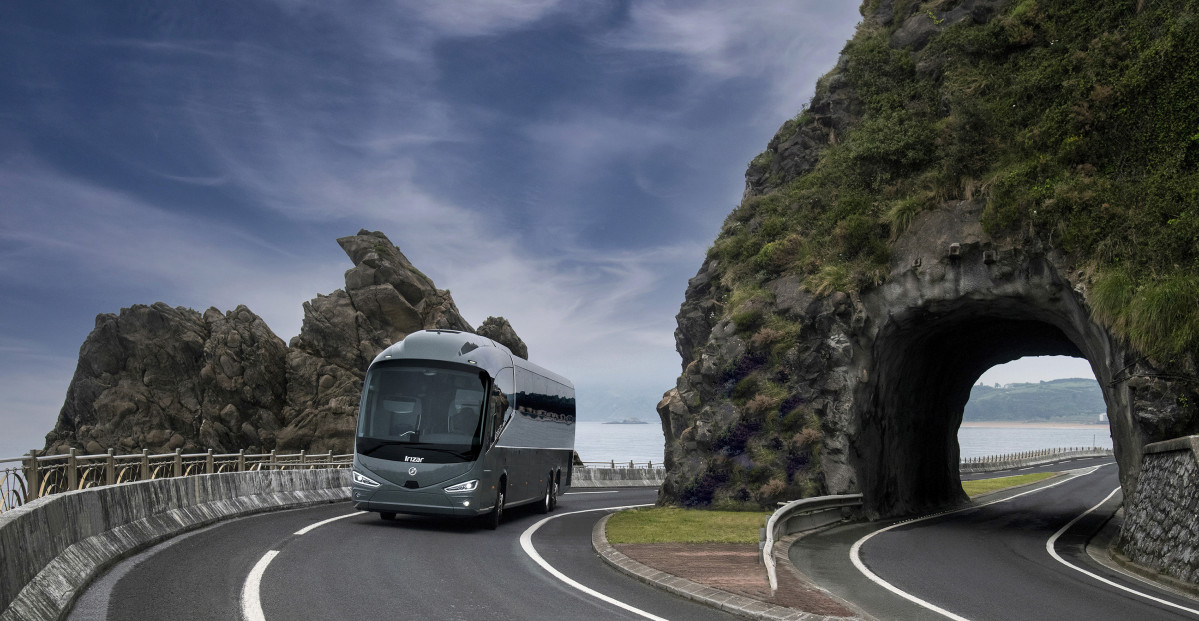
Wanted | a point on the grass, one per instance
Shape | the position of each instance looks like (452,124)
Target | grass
(674,525)
(984,486)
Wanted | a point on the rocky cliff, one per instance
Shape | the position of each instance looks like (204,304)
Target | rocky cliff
(960,192)
(163,378)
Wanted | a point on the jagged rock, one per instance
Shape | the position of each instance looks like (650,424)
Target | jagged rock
(385,299)
(499,330)
(163,378)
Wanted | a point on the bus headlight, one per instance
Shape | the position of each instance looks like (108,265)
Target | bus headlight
(362,479)
(467,486)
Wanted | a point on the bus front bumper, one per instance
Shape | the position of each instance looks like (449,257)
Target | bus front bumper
(419,502)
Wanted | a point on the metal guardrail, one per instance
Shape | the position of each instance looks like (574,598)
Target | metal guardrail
(781,523)
(992,463)
(613,464)
(30,476)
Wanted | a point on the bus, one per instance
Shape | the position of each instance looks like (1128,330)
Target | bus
(454,424)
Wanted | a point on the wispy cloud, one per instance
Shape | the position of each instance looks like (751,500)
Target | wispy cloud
(770,40)
(80,231)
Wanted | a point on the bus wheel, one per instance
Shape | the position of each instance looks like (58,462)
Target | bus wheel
(547,503)
(387,515)
(497,512)
(554,494)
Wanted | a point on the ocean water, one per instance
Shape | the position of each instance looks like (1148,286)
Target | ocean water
(984,441)
(600,442)
(640,443)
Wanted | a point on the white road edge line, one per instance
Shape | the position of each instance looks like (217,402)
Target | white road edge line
(526,542)
(1052,552)
(251,600)
(310,527)
(854,552)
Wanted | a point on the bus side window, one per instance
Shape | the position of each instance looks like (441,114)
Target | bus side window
(499,401)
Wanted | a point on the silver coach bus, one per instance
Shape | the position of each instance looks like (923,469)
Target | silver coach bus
(454,424)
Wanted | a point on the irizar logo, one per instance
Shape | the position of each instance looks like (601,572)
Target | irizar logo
(415,460)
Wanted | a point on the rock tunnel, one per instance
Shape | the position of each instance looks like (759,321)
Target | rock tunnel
(925,362)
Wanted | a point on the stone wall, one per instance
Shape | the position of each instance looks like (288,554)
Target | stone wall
(1161,525)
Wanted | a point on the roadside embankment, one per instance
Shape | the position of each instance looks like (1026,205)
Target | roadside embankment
(54,546)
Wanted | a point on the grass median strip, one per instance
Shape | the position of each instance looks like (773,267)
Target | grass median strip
(674,525)
(983,486)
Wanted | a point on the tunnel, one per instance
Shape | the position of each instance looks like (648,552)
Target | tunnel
(925,361)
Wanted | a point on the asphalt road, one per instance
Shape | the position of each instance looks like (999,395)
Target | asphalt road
(990,561)
(363,567)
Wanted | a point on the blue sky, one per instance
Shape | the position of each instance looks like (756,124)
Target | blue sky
(562,164)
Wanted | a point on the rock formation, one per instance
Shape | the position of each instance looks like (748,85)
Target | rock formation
(163,378)
(831,336)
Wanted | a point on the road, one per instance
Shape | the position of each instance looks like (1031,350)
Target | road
(362,567)
(991,561)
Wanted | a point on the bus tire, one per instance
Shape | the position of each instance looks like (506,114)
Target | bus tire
(497,512)
(547,503)
(554,493)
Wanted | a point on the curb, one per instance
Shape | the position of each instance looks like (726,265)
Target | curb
(716,598)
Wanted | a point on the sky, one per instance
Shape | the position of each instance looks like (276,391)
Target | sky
(565,165)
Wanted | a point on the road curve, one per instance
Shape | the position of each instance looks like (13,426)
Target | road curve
(362,567)
(992,561)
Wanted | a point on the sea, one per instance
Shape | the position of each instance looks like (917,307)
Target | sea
(600,442)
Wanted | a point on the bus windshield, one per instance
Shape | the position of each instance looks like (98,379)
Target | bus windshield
(416,410)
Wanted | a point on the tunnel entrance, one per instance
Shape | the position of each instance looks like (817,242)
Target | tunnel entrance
(925,362)
(1034,403)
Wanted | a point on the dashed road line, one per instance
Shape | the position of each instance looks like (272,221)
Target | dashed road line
(251,598)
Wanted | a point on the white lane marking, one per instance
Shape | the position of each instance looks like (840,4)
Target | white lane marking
(611,491)
(251,599)
(310,527)
(854,552)
(526,542)
(1052,552)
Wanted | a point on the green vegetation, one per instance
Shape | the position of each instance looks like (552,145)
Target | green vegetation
(1074,121)
(673,525)
(984,486)
(1065,400)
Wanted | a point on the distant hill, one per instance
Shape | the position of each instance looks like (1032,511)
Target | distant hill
(1064,400)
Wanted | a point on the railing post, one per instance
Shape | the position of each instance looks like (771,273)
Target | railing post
(329,459)
(274,459)
(303,458)
(110,468)
(33,477)
(178,462)
(613,466)
(72,473)
(208,463)
(145,464)
(241,460)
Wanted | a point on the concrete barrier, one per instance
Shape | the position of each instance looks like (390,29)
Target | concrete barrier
(617,477)
(51,548)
